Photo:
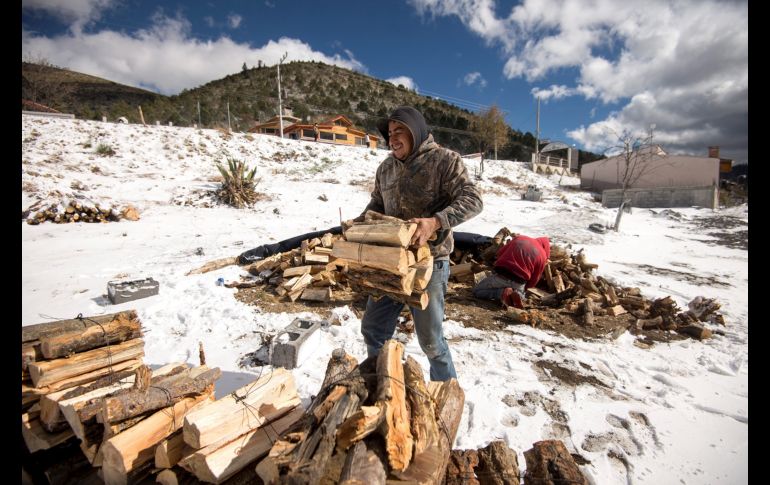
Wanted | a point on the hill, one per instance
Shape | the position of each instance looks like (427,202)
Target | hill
(312,90)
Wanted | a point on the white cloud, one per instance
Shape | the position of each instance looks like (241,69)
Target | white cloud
(164,57)
(689,56)
(475,78)
(555,92)
(234,20)
(406,81)
(75,12)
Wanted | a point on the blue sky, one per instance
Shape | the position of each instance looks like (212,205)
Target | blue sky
(599,66)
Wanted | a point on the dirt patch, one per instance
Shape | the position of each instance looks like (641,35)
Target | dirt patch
(464,308)
(726,233)
(567,376)
(680,275)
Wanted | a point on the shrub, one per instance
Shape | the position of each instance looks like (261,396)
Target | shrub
(105,150)
(237,184)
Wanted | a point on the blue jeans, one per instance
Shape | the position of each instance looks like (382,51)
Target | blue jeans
(381,316)
(491,287)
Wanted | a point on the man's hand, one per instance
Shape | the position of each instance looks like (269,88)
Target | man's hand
(426,227)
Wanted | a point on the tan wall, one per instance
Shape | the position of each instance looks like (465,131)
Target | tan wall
(665,171)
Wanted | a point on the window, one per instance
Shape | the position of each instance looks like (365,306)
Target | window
(308,133)
(341,136)
(359,140)
(270,131)
(325,135)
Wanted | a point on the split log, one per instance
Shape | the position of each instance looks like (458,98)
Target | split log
(360,425)
(386,258)
(611,296)
(271,396)
(424,427)
(391,390)
(214,265)
(399,234)
(540,294)
(417,299)
(160,395)
(171,450)
(530,317)
(557,298)
(327,240)
(265,264)
(548,275)
(296,271)
(36,438)
(423,274)
(633,302)
(616,310)
(50,371)
(219,461)
(648,323)
(498,465)
(588,313)
(549,463)
(371,217)
(323,251)
(383,280)
(316,258)
(317,294)
(695,330)
(429,467)
(558,284)
(136,446)
(118,330)
(175,477)
(365,464)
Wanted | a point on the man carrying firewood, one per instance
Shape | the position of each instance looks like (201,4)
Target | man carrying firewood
(519,263)
(429,186)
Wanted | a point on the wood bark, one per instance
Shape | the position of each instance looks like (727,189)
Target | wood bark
(461,468)
(118,330)
(36,438)
(161,395)
(383,280)
(365,464)
(498,465)
(360,425)
(31,333)
(549,463)
(423,274)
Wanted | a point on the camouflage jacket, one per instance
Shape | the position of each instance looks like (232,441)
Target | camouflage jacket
(432,181)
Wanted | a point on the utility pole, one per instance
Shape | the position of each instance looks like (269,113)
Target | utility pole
(280,109)
(228,117)
(537,133)
(199,114)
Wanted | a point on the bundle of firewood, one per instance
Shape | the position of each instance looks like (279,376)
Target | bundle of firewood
(76,211)
(377,259)
(370,423)
(569,282)
(219,440)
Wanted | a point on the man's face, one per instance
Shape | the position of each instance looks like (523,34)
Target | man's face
(400,139)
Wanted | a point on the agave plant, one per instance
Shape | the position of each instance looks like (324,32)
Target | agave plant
(237,183)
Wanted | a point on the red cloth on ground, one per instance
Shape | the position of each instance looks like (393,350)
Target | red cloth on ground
(525,257)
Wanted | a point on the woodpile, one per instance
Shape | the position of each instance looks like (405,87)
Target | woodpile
(370,423)
(88,399)
(78,211)
(569,283)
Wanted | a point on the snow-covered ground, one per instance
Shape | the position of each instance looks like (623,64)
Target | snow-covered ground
(673,413)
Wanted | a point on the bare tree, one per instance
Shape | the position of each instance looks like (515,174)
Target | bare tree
(490,131)
(634,158)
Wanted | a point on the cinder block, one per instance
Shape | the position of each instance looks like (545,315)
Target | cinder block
(296,343)
(123,291)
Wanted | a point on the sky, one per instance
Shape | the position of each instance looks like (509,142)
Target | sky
(672,413)
(602,68)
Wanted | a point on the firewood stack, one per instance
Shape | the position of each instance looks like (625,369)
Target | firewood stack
(370,423)
(85,380)
(569,283)
(376,259)
(77,211)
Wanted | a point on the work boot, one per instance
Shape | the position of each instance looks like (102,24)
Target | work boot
(511,297)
